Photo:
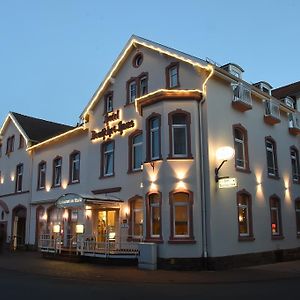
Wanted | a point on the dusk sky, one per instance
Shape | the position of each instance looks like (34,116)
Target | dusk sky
(55,53)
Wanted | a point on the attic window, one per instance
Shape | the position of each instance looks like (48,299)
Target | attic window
(137,60)
(233,69)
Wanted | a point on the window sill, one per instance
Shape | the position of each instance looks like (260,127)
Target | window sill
(148,161)
(277,237)
(247,171)
(182,241)
(107,176)
(174,158)
(153,240)
(40,188)
(173,87)
(246,238)
(55,186)
(73,182)
(134,171)
(296,182)
(129,103)
(276,177)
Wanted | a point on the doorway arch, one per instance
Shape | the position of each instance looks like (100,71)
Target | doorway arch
(19,214)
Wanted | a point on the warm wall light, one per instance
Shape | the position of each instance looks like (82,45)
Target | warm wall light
(64,184)
(88,212)
(65,215)
(126,211)
(180,185)
(2,180)
(56,228)
(12,177)
(224,153)
(79,228)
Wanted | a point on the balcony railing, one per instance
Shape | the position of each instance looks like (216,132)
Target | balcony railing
(294,123)
(272,112)
(242,99)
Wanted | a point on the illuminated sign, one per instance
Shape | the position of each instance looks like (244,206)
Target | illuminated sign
(69,200)
(226,183)
(108,131)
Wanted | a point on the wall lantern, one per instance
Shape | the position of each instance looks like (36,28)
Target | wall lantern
(223,154)
(79,229)
(56,228)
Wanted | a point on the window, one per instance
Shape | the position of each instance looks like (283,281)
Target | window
(271,157)
(276,228)
(143,85)
(295,164)
(172,75)
(41,175)
(108,102)
(108,158)
(10,144)
(153,137)
(136,218)
(154,216)
(297,208)
(135,141)
(179,131)
(74,167)
(241,148)
(181,215)
(0,149)
(137,60)
(21,141)
(57,166)
(19,177)
(244,207)
(132,91)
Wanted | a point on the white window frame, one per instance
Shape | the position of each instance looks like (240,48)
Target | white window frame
(244,206)
(241,142)
(105,154)
(134,146)
(173,75)
(75,160)
(132,91)
(187,205)
(152,132)
(271,150)
(276,209)
(109,103)
(295,162)
(153,206)
(134,211)
(42,169)
(19,178)
(57,166)
(173,139)
(143,84)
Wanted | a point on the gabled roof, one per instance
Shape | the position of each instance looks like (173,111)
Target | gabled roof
(292,89)
(34,129)
(132,43)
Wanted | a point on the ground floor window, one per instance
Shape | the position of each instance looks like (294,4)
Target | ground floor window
(275,211)
(297,207)
(153,207)
(136,218)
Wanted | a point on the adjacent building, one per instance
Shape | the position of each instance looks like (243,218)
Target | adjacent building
(150,162)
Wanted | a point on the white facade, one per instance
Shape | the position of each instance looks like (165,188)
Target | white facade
(187,105)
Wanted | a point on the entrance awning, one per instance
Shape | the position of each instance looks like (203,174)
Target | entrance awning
(72,200)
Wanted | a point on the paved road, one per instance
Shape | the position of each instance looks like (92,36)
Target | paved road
(28,275)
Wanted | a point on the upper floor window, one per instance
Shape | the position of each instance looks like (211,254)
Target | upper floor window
(41,175)
(271,157)
(108,157)
(143,85)
(179,131)
(10,144)
(153,137)
(295,164)
(0,149)
(244,207)
(19,177)
(241,147)
(275,210)
(57,167)
(21,141)
(132,90)
(181,215)
(108,102)
(297,208)
(74,167)
(137,60)
(172,75)
(154,216)
(137,87)
(135,151)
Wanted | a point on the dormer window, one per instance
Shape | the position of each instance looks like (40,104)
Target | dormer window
(234,70)
(289,101)
(264,87)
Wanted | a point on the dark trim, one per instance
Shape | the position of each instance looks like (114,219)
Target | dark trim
(244,132)
(15,193)
(138,54)
(188,132)
(107,191)
(168,68)
(148,136)
(130,152)
(137,81)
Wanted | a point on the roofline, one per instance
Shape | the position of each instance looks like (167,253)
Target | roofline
(16,123)
(81,127)
(136,40)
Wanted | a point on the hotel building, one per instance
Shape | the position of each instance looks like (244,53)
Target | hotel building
(152,161)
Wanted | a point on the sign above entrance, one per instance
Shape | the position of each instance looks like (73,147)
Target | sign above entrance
(226,183)
(69,200)
(108,131)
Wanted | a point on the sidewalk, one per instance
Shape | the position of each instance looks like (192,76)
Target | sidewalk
(34,263)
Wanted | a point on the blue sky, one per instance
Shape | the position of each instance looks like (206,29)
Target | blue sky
(55,53)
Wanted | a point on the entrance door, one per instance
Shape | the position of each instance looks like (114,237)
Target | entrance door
(19,226)
(3,228)
(106,230)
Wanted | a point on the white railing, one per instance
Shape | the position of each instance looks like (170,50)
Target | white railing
(242,94)
(50,243)
(272,109)
(294,121)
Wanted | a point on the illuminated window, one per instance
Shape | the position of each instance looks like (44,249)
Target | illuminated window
(271,157)
(19,177)
(137,218)
(241,147)
(41,175)
(74,167)
(108,102)
(275,211)
(181,215)
(135,151)
(10,144)
(295,164)
(172,75)
(179,131)
(57,166)
(108,159)
(297,208)
(244,215)
(154,215)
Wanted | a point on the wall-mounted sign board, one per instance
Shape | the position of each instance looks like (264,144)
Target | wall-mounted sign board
(226,183)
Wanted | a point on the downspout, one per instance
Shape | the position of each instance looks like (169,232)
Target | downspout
(30,198)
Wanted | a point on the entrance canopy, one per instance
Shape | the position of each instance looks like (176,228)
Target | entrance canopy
(71,200)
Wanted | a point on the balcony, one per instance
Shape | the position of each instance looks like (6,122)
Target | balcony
(272,112)
(242,100)
(294,123)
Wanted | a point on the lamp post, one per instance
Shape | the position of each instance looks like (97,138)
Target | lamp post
(223,154)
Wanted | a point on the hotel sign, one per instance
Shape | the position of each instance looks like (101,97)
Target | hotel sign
(226,183)
(109,130)
(69,200)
